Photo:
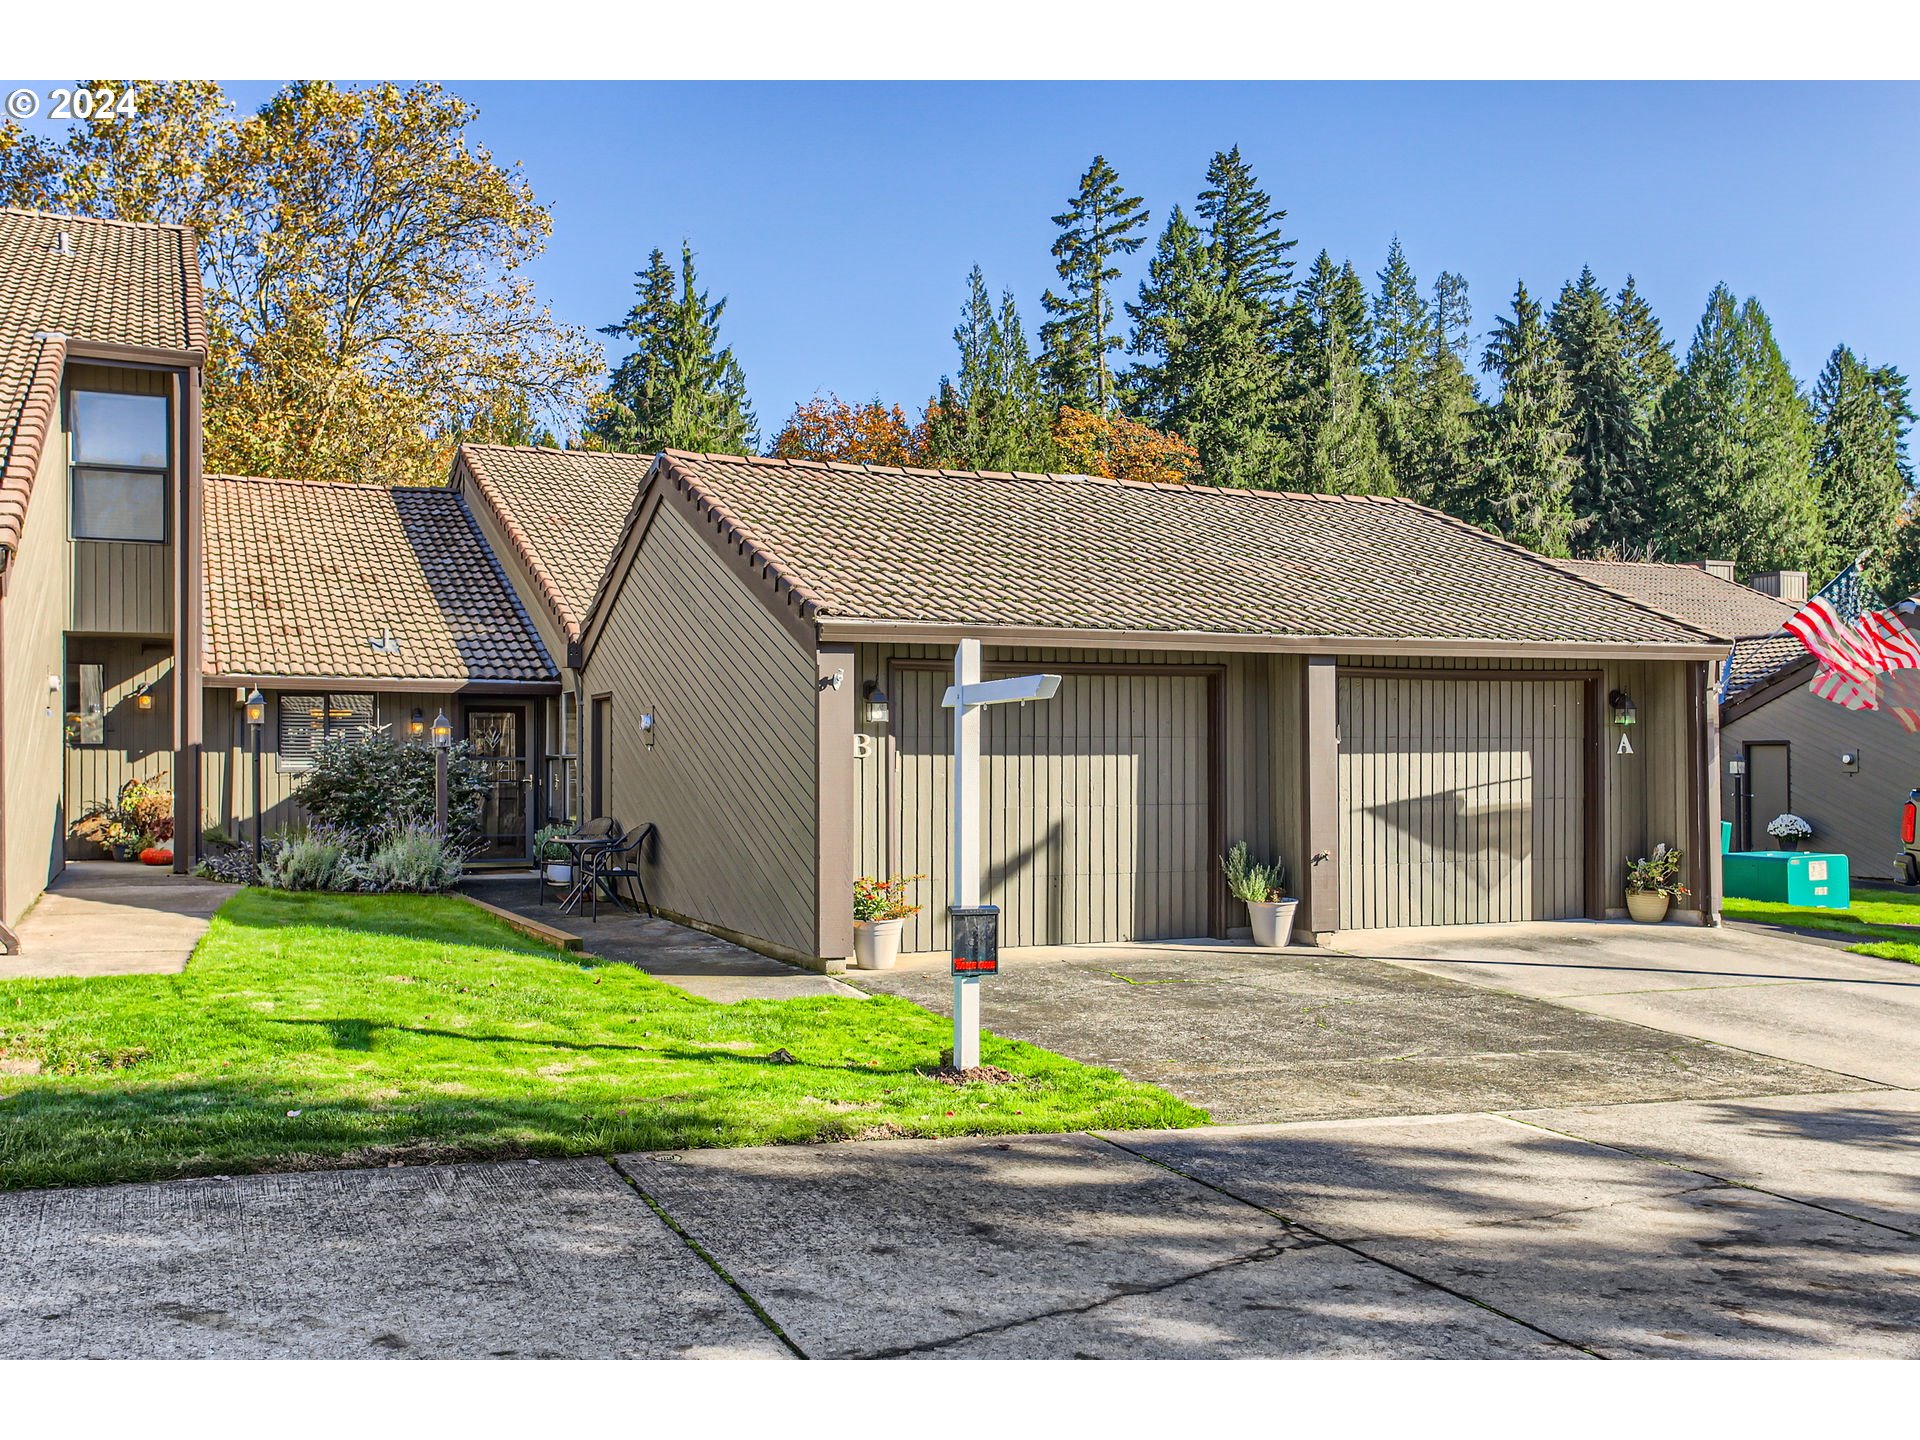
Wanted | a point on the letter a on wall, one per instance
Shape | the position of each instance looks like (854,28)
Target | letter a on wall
(1625,747)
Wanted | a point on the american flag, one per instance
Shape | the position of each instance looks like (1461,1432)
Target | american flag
(1855,643)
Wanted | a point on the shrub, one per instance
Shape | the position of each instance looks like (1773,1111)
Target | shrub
(1249,880)
(412,859)
(375,787)
(317,859)
(231,865)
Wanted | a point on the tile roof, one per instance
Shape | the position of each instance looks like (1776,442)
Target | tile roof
(1691,594)
(303,576)
(122,284)
(1759,660)
(1074,552)
(564,511)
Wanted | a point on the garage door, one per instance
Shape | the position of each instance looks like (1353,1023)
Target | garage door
(1096,820)
(1461,801)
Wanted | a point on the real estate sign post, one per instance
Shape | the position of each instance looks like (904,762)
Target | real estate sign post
(965,697)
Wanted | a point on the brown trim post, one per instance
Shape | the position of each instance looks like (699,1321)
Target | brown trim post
(189,718)
(1594,821)
(834,803)
(1703,725)
(1320,794)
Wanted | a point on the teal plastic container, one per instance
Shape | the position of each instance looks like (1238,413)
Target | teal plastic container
(1788,877)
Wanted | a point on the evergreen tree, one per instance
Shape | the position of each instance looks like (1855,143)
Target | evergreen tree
(1609,447)
(1181,280)
(1648,353)
(1447,420)
(1860,468)
(1334,423)
(678,388)
(1524,488)
(1733,449)
(1243,237)
(995,414)
(1403,361)
(1100,223)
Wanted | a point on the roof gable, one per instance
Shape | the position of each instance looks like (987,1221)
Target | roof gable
(1072,552)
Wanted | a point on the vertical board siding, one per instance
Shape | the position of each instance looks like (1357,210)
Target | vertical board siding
(138,744)
(1096,823)
(731,775)
(1461,800)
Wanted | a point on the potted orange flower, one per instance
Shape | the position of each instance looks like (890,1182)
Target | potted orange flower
(880,909)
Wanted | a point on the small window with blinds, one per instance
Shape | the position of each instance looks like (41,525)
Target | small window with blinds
(307,722)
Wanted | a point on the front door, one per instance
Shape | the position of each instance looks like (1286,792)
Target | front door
(1769,790)
(498,736)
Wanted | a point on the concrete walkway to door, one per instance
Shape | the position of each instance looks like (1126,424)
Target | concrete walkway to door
(100,917)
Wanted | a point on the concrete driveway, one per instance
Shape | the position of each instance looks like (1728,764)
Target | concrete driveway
(1763,992)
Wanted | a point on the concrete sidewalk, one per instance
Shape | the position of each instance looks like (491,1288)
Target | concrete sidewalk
(1738,1227)
(103,917)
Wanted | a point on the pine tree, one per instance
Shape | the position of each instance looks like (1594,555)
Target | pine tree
(1181,280)
(1524,488)
(1447,422)
(1101,222)
(1609,447)
(1648,352)
(678,388)
(1244,237)
(1860,468)
(1403,359)
(995,414)
(1733,448)
(1334,423)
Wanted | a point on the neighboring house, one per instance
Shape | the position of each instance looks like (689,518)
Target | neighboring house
(1412,712)
(102,343)
(356,610)
(1847,772)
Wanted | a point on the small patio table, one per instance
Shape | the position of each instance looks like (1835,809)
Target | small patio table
(580,885)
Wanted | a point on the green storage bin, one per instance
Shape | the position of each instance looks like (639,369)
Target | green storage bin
(1788,877)
(1726,837)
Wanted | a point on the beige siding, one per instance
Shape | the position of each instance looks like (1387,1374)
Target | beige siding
(1855,813)
(33,613)
(119,587)
(137,744)
(730,775)
(1461,800)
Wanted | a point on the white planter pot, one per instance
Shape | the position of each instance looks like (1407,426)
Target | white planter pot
(1648,909)
(876,943)
(1272,922)
(559,874)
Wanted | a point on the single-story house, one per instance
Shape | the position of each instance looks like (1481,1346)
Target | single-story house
(1417,715)
(355,610)
(1783,748)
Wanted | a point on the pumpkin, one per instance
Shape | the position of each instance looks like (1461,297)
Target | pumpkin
(156,855)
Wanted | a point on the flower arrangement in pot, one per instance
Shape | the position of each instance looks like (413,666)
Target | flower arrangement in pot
(1653,883)
(1263,888)
(553,857)
(1789,829)
(880,909)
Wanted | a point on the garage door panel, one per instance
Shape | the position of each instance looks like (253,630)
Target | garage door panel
(1095,825)
(1461,801)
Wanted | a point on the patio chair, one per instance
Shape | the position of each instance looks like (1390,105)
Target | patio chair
(616,862)
(601,827)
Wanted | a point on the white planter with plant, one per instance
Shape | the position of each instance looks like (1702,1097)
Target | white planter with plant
(555,859)
(1789,829)
(1263,889)
(880,912)
(1653,884)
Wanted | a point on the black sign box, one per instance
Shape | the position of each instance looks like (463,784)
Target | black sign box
(976,939)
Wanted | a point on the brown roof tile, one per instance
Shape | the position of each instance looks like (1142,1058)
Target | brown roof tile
(302,577)
(564,511)
(123,284)
(1070,551)
(1722,606)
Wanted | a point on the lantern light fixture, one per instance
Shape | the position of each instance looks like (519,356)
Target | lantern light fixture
(417,726)
(256,708)
(143,698)
(442,731)
(1623,709)
(879,708)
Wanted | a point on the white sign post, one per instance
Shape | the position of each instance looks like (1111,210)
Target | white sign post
(965,697)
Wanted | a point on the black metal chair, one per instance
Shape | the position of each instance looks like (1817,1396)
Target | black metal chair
(615,862)
(602,829)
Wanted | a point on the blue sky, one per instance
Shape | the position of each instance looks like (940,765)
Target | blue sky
(840,219)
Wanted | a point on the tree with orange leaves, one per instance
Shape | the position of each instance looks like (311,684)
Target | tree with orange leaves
(828,428)
(1121,449)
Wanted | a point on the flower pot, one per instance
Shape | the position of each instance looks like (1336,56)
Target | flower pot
(1787,842)
(559,873)
(1646,906)
(1272,922)
(876,943)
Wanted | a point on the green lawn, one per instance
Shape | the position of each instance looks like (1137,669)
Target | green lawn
(1891,918)
(314,1031)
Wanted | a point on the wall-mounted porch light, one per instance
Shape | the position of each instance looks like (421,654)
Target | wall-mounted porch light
(1623,713)
(143,698)
(417,726)
(256,708)
(879,708)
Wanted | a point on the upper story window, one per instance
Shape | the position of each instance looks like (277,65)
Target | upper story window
(120,449)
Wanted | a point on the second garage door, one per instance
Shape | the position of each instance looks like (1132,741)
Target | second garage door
(1096,808)
(1461,801)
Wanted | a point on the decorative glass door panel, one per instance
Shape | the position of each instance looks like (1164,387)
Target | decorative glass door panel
(498,738)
